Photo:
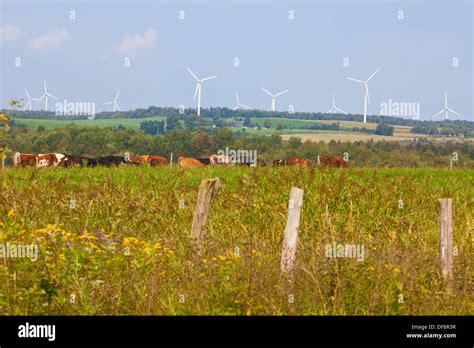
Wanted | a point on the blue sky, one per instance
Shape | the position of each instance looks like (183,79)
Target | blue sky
(83,59)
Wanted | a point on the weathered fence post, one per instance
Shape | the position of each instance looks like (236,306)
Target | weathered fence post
(207,192)
(171,159)
(290,239)
(446,237)
(451,163)
(319,161)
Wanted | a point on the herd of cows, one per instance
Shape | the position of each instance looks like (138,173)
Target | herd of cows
(62,160)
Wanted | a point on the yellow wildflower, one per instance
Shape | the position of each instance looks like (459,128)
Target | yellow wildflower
(11,213)
(396,270)
(129,240)
(222,258)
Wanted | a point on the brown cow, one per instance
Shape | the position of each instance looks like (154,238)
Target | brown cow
(297,161)
(185,162)
(153,161)
(333,161)
(48,159)
(134,160)
(24,159)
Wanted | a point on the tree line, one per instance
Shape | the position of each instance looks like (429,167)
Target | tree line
(96,141)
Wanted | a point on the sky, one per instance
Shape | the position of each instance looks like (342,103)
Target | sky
(307,47)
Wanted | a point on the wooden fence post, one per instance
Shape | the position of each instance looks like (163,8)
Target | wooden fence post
(207,192)
(451,163)
(319,161)
(290,239)
(171,159)
(446,237)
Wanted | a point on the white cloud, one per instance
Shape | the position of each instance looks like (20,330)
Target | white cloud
(50,41)
(132,44)
(10,32)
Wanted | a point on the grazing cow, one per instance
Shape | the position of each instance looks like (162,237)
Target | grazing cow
(185,162)
(220,159)
(153,160)
(135,160)
(71,161)
(333,161)
(205,160)
(278,163)
(48,159)
(107,161)
(296,161)
(24,159)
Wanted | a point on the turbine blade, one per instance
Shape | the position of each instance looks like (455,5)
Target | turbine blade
(50,95)
(116,105)
(350,78)
(454,112)
(210,78)
(196,91)
(439,113)
(280,93)
(376,71)
(44,85)
(245,106)
(237,97)
(446,99)
(26,105)
(116,96)
(108,103)
(336,108)
(27,93)
(271,95)
(192,74)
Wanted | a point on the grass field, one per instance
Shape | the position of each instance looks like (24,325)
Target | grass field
(49,124)
(123,247)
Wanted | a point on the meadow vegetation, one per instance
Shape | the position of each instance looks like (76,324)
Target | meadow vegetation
(124,247)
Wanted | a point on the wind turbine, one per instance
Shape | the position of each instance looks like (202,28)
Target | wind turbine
(45,96)
(116,107)
(334,107)
(274,97)
(446,108)
(198,88)
(366,94)
(30,100)
(240,106)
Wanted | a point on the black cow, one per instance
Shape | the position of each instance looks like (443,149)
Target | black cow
(205,160)
(279,162)
(71,161)
(107,161)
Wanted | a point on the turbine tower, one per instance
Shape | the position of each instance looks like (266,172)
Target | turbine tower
(274,97)
(45,96)
(240,106)
(334,107)
(28,103)
(197,92)
(446,108)
(114,102)
(366,93)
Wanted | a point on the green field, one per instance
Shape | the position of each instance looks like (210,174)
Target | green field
(123,247)
(112,122)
